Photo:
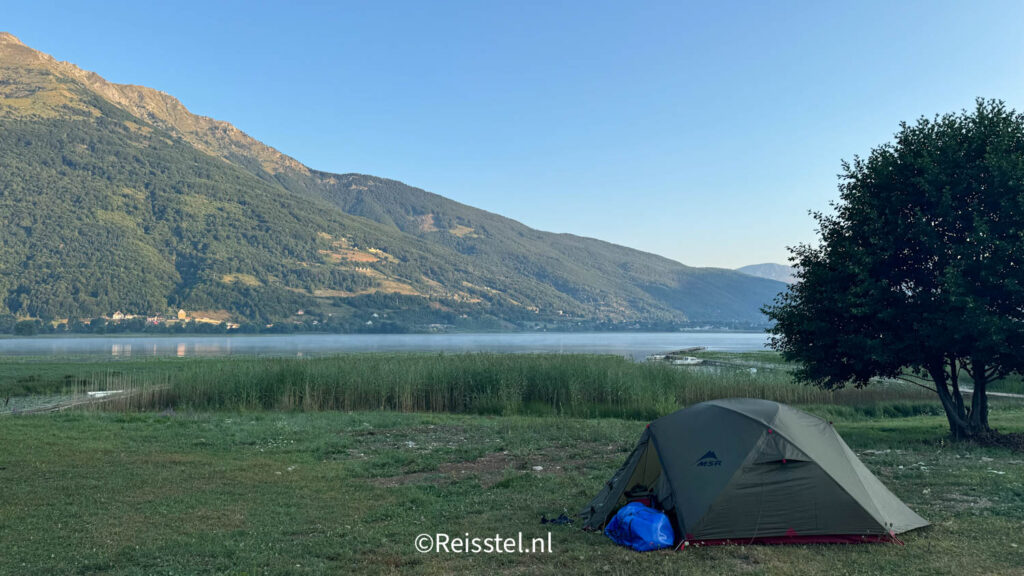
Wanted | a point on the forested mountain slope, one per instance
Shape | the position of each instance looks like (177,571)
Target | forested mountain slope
(115,197)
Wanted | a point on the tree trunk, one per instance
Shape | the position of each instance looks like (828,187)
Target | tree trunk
(952,401)
(954,379)
(979,400)
(964,422)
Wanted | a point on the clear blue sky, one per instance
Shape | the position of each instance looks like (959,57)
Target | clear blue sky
(700,131)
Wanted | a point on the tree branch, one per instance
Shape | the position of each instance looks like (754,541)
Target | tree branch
(921,378)
(967,368)
(917,384)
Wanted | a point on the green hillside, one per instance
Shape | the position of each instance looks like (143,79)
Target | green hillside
(612,277)
(103,218)
(115,197)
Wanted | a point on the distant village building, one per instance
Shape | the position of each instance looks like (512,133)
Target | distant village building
(182,315)
(300,312)
(117,316)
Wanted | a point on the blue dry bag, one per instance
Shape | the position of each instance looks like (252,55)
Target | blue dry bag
(641,528)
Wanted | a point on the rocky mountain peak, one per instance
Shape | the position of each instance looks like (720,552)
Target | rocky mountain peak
(8,38)
(26,71)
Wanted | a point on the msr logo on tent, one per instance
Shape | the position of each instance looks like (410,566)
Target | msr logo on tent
(709,459)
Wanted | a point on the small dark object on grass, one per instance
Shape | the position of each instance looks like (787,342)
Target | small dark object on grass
(562,519)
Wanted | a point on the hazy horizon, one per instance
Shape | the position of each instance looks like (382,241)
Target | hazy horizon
(702,134)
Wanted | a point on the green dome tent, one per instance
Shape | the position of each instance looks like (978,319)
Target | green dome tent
(744,470)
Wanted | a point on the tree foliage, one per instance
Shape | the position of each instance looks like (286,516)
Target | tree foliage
(920,269)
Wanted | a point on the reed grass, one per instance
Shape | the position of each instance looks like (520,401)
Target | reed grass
(481,383)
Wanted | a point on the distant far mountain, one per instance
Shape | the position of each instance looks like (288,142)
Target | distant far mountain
(115,197)
(779,272)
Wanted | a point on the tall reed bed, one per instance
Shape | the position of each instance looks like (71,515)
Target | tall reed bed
(505,384)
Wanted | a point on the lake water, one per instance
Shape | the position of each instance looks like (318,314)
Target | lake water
(635,345)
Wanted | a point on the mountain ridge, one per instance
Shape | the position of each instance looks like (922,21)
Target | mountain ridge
(157,106)
(771,271)
(456,258)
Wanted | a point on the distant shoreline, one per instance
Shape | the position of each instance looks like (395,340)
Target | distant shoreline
(71,335)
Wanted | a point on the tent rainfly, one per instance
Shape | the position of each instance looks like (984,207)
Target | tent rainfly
(752,471)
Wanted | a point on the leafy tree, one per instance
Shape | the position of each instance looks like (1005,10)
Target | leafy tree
(27,328)
(919,274)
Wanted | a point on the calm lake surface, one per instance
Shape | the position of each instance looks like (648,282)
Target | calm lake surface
(636,345)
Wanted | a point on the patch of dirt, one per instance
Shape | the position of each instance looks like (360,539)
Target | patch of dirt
(588,454)
(488,468)
(1014,441)
(462,231)
(434,430)
(428,436)
(426,223)
(961,502)
(348,254)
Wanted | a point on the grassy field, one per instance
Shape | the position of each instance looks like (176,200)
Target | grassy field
(322,493)
(235,480)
